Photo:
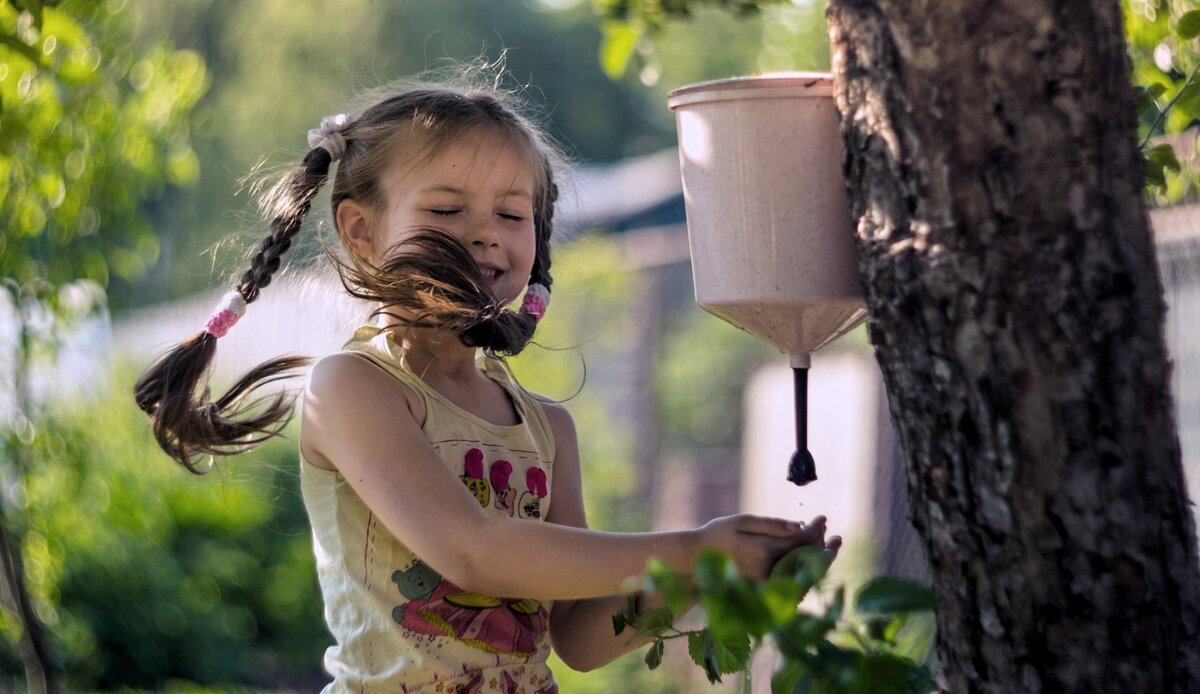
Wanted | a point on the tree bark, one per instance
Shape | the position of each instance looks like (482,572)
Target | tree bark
(1017,316)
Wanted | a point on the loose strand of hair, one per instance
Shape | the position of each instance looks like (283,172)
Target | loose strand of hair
(430,280)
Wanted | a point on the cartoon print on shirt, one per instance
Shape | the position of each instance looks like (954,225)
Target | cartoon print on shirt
(473,477)
(531,501)
(497,625)
(417,581)
(504,494)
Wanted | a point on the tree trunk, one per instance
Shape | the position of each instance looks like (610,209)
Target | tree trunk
(1017,315)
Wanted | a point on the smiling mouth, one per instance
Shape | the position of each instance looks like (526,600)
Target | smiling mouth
(491,274)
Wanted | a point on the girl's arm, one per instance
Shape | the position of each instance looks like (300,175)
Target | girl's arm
(363,425)
(582,630)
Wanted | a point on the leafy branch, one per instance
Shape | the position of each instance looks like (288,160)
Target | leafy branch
(629,24)
(1161,158)
(833,650)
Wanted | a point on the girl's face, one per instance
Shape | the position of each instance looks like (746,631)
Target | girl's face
(478,188)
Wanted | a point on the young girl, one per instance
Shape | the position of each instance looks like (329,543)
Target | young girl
(445,500)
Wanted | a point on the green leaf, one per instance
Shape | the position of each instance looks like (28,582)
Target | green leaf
(673,586)
(718,656)
(699,649)
(780,596)
(742,609)
(920,680)
(1189,25)
(1144,97)
(616,47)
(878,625)
(790,677)
(1164,155)
(834,612)
(619,623)
(655,654)
(1189,99)
(713,571)
(801,634)
(890,594)
(807,565)
(1154,175)
(653,621)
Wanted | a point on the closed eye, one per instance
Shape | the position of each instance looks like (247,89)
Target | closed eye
(444,213)
(512,217)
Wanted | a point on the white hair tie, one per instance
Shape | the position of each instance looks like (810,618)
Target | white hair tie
(329,135)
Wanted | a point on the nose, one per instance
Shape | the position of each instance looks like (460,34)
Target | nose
(483,234)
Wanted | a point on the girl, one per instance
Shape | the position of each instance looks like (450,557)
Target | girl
(445,500)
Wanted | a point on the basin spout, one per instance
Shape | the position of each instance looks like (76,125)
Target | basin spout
(803,469)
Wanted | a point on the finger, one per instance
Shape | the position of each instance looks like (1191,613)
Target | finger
(773,527)
(811,534)
(832,546)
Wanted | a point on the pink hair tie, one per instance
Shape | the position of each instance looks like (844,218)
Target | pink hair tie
(232,307)
(537,298)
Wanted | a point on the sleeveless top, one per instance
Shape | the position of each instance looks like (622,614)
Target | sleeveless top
(400,626)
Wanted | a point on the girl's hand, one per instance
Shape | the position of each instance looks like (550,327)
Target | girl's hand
(755,543)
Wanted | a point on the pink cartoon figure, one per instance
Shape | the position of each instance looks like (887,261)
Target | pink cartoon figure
(504,494)
(473,477)
(531,501)
(497,625)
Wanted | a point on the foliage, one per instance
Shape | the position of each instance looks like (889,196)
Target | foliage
(630,23)
(677,41)
(840,648)
(147,575)
(1164,44)
(92,127)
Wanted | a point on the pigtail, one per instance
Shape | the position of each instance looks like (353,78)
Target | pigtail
(187,425)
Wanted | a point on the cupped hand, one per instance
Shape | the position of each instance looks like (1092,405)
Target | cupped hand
(756,542)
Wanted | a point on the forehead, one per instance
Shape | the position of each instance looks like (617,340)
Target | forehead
(480,161)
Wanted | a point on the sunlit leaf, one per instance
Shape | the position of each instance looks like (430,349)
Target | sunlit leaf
(616,47)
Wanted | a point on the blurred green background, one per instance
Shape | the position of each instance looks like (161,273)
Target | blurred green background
(127,131)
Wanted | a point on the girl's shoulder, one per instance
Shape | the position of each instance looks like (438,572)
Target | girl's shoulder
(360,379)
(562,426)
(348,387)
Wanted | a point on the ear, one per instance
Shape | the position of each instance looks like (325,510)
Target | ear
(354,222)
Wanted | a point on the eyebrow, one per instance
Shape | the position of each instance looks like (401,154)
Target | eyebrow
(459,191)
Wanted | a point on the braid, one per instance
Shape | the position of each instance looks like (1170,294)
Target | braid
(187,425)
(302,188)
(543,222)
